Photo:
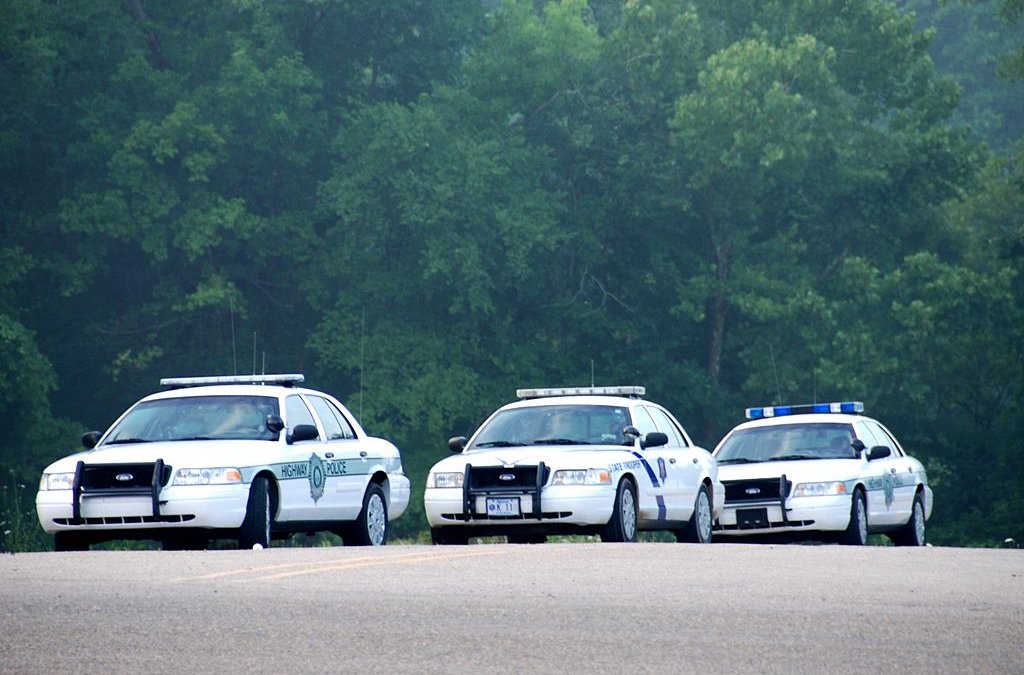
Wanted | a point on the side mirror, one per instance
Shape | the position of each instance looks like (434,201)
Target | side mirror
(90,439)
(654,439)
(878,452)
(303,432)
(274,424)
(457,443)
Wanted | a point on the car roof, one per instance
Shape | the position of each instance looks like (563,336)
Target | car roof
(619,401)
(808,418)
(274,391)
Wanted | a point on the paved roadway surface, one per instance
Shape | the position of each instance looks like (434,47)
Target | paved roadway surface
(554,608)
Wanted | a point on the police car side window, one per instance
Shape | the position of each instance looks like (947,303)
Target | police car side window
(867,435)
(675,438)
(643,421)
(885,438)
(335,424)
(297,412)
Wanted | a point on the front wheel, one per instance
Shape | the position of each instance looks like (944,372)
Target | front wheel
(856,534)
(371,526)
(912,534)
(622,525)
(255,530)
(698,530)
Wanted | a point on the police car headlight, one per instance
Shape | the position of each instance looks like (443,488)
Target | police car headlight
(819,489)
(57,481)
(582,477)
(450,479)
(219,476)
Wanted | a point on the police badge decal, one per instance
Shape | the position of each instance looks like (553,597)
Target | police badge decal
(317,477)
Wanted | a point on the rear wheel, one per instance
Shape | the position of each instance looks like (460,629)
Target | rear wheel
(371,526)
(255,530)
(856,534)
(70,541)
(912,534)
(698,530)
(622,526)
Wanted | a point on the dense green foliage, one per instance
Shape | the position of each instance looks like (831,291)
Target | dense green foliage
(423,206)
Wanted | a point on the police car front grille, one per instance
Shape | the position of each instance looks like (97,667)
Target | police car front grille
(757,490)
(504,478)
(101,477)
(546,515)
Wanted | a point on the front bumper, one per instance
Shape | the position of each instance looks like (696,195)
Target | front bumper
(193,506)
(569,505)
(802,514)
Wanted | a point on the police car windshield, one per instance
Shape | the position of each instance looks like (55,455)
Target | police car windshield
(190,418)
(554,425)
(787,442)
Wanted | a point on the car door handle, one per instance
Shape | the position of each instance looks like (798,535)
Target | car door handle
(892,470)
(671,460)
(329,455)
(362,453)
(694,460)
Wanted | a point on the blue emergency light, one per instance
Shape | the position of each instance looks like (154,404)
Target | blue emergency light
(848,407)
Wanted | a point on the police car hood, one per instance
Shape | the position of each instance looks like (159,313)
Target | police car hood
(798,471)
(556,456)
(178,454)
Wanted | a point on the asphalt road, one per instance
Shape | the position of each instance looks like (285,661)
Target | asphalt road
(553,608)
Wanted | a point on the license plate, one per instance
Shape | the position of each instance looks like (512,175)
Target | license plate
(503,506)
(751,518)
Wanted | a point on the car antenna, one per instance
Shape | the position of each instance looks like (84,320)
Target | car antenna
(775,373)
(591,372)
(362,354)
(254,352)
(234,350)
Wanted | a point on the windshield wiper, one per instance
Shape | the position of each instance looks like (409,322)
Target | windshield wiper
(498,444)
(193,438)
(559,441)
(786,458)
(122,441)
(740,460)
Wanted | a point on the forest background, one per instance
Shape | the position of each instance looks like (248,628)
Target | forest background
(424,205)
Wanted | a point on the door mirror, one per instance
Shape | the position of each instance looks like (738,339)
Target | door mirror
(878,452)
(274,424)
(457,443)
(654,440)
(90,439)
(303,432)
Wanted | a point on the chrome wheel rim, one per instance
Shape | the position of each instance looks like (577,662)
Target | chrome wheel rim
(862,522)
(919,522)
(628,514)
(376,522)
(703,517)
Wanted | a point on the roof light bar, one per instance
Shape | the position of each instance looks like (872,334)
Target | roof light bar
(285,380)
(632,391)
(847,407)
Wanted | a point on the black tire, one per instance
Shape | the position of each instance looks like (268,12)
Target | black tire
(856,534)
(912,534)
(622,526)
(447,536)
(527,538)
(698,530)
(255,528)
(70,541)
(371,526)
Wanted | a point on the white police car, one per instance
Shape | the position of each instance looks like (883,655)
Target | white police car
(225,457)
(597,460)
(820,468)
